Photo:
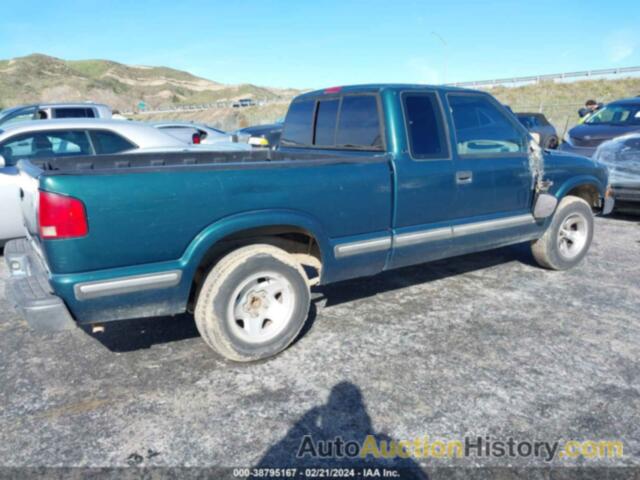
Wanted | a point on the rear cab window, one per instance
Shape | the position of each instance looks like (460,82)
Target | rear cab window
(351,121)
(326,122)
(298,124)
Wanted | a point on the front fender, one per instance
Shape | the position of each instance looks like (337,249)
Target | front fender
(561,190)
(221,229)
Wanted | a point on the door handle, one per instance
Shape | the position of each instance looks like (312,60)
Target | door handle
(464,177)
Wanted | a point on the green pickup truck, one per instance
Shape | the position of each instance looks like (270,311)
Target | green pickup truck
(365,179)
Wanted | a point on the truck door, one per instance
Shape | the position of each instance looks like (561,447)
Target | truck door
(493,179)
(425,183)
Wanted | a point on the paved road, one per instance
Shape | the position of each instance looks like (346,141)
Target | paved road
(485,344)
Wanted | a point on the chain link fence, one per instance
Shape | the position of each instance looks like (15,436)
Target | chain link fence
(563,116)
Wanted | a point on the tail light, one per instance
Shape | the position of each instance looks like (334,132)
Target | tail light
(61,217)
(195,139)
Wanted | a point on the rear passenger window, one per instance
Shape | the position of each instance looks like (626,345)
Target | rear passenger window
(298,124)
(326,118)
(359,125)
(482,128)
(73,113)
(107,143)
(425,126)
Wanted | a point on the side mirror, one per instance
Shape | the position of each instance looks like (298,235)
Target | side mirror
(545,206)
(536,136)
(3,162)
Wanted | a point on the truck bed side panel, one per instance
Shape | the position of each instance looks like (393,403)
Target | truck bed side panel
(149,217)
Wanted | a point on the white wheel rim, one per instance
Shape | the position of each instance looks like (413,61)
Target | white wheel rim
(261,307)
(572,236)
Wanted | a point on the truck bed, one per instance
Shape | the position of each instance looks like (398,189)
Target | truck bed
(147,161)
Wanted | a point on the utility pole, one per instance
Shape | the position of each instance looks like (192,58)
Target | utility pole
(446,54)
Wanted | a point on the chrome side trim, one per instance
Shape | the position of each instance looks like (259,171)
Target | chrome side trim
(489,225)
(365,246)
(120,286)
(414,238)
(432,235)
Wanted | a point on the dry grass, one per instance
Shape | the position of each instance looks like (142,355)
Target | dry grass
(560,101)
(228,119)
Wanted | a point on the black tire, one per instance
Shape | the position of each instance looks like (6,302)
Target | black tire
(554,250)
(219,300)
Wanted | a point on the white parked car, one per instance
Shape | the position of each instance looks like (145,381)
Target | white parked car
(51,111)
(74,137)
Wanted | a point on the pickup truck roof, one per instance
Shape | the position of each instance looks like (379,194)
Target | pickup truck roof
(377,87)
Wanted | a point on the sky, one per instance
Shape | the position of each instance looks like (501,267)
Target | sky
(315,44)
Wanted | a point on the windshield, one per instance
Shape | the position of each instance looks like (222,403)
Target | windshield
(7,111)
(14,115)
(616,115)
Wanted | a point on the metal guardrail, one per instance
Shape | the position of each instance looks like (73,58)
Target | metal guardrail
(477,83)
(553,76)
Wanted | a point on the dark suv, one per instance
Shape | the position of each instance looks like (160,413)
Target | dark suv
(615,119)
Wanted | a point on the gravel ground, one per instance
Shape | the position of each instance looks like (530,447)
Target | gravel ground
(485,344)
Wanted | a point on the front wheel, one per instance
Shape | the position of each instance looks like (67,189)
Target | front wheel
(253,303)
(568,238)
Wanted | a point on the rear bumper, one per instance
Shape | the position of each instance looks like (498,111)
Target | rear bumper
(29,289)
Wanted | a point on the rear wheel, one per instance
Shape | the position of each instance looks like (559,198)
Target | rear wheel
(253,303)
(568,238)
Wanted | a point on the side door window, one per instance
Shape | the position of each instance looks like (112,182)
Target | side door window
(425,126)
(482,129)
(109,143)
(65,144)
(493,174)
